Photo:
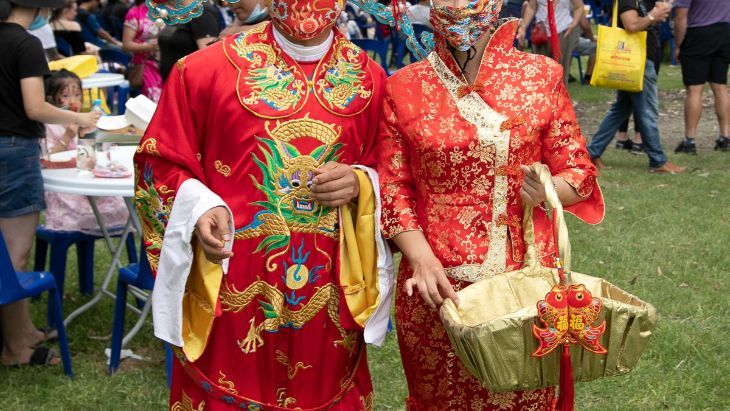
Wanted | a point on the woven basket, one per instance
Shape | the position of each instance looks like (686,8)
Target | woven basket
(491,330)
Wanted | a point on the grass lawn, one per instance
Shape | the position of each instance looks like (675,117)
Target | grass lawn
(664,238)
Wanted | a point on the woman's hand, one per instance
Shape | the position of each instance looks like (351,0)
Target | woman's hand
(532,191)
(152,46)
(213,231)
(429,278)
(334,184)
(88,120)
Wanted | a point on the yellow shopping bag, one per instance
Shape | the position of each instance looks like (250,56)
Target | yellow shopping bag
(620,57)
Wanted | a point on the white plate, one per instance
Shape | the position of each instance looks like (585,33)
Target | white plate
(63,156)
(112,122)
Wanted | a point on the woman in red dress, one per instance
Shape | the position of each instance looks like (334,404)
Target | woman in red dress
(458,131)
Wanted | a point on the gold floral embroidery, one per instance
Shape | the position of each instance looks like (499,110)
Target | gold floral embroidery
(282,400)
(503,400)
(223,169)
(148,146)
(493,149)
(181,65)
(227,384)
(291,370)
(186,404)
(367,402)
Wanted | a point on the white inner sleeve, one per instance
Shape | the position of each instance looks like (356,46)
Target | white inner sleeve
(192,200)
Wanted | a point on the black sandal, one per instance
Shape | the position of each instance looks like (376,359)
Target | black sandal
(41,356)
(50,336)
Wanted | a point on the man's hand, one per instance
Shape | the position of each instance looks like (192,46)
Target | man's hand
(431,282)
(335,184)
(661,12)
(212,230)
(532,191)
(569,30)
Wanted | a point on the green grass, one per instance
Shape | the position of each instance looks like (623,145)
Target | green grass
(664,238)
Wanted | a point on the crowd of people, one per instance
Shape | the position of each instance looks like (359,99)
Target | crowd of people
(259,141)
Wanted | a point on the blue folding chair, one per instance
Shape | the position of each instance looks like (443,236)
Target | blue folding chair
(59,242)
(137,275)
(115,56)
(16,286)
(580,68)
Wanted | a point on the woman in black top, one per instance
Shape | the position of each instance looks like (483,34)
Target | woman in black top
(180,40)
(23,110)
(65,27)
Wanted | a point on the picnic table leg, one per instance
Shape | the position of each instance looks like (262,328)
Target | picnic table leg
(115,264)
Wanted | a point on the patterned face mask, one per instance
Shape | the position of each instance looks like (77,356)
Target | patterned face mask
(461,27)
(304,19)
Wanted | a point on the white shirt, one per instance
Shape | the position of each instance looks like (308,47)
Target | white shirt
(563,14)
(45,35)
(420,14)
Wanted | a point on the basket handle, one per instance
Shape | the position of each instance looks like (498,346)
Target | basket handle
(532,258)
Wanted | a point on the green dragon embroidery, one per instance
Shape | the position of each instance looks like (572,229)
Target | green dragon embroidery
(287,178)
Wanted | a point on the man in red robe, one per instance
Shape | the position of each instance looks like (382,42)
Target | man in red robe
(255,144)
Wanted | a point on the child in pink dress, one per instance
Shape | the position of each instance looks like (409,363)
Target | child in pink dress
(69,212)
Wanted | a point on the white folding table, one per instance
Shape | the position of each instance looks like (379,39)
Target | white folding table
(71,181)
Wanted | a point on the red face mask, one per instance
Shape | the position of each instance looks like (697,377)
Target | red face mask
(304,19)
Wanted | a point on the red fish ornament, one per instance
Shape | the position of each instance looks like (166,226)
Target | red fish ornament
(567,313)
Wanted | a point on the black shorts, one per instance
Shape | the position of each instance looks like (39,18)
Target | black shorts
(705,54)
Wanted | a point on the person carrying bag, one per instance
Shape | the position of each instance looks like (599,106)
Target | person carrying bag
(620,57)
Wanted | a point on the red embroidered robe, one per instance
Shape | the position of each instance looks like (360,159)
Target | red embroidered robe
(449,166)
(251,124)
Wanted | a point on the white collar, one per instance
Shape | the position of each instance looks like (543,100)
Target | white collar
(304,54)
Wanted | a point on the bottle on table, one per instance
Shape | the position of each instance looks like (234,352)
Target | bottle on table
(86,151)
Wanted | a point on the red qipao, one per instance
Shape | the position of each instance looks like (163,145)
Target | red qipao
(450,167)
(251,125)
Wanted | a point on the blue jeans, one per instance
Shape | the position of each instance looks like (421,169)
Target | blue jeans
(21,182)
(645,106)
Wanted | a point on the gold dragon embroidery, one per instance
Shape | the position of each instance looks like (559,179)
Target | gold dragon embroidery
(278,315)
